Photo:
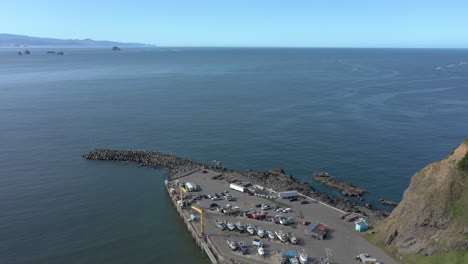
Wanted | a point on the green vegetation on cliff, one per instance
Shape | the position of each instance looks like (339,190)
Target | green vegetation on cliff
(463,164)
(430,225)
(459,206)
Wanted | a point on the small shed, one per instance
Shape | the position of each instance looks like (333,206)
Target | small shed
(316,230)
(361,225)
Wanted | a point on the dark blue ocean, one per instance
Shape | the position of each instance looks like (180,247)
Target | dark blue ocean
(372,117)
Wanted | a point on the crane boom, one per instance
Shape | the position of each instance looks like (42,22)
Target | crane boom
(202,219)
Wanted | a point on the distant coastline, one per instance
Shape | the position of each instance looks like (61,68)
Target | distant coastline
(16,41)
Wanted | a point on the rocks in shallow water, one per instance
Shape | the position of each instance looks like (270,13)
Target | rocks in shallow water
(346,189)
(382,201)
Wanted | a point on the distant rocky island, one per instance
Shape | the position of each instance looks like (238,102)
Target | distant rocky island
(10,40)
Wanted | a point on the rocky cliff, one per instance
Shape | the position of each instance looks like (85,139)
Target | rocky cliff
(433,214)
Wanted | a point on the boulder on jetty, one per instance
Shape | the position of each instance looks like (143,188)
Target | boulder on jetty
(346,189)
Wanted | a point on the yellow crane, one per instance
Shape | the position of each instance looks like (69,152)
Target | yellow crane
(182,191)
(202,219)
(202,213)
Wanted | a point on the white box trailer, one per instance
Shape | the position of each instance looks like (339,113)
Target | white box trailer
(366,259)
(237,187)
(288,194)
(190,187)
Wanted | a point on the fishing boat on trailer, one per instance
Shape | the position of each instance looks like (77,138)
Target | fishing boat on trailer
(260,232)
(220,224)
(303,257)
(291,255)
(240,227)
(281,236)
(292,238)
(282,257)
(230,226)
(232,244)
(250,229)
(270,234)
(244,249)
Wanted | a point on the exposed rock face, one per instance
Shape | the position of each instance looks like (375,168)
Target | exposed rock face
(346,189)
(433,211)
(275,179)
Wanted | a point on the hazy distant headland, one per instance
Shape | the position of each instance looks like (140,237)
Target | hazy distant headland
(10,40)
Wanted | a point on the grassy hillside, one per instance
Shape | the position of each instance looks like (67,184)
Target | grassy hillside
(430,225)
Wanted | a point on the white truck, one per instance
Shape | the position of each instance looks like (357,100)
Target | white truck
(366,259)
(288,194)
(189,187)
(237,187)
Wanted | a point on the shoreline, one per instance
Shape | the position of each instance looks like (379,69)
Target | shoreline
(275,179)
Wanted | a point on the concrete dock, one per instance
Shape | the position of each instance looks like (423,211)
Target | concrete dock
(341,244)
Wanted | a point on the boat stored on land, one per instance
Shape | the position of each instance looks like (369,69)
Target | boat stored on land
(292,238)
(250,229)
(260,232)
(303,257)
(230,226)
(292,257)
(240,227)
(282,257)
(220,224)
(232,244)
(281,236)
(244,249)
(270,234)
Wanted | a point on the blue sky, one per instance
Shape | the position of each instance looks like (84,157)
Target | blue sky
(251,23)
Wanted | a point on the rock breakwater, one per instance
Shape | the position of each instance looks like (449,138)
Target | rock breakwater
(276,179)
(346,189)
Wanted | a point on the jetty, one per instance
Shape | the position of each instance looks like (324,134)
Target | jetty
(211,198)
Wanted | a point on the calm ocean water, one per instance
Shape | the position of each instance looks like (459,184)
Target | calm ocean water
(369,116)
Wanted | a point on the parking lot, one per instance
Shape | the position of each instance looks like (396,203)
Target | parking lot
(340,245)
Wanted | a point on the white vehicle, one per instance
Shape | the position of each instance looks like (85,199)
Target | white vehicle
(266,207)
(191,187)
(214,198)
(288,194)
(192,218)
(237,187)
(279,209)
(257,243)
(287,210)
(261,251)
(366,259)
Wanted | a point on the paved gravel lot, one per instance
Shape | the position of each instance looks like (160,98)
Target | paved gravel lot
(341,244)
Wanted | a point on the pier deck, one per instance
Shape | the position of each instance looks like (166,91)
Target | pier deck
(341,244)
